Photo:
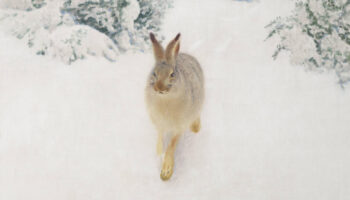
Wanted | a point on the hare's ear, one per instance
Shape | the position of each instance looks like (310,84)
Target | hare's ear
(177,49)
(157,48)
(172,49)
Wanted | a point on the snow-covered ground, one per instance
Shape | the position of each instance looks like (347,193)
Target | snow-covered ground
(271,131)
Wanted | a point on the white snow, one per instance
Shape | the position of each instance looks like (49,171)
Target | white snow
(51,33)
(270,131)
(16,4)
(69,43)
(129,14)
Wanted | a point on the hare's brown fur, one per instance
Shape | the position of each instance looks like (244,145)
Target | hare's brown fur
(174,96)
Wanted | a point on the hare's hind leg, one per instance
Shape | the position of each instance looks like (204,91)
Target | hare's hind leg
(168,163)
(160,143)
(196,125)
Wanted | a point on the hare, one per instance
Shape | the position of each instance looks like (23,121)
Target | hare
(174,96)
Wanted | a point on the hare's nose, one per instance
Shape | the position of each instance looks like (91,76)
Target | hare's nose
(159,87)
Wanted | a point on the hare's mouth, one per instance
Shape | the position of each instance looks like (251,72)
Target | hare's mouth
(162,91)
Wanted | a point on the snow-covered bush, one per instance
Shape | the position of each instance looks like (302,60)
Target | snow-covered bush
(16,4)
(70,43)
(126,22)
(48,32)
(317,35)
(75,29)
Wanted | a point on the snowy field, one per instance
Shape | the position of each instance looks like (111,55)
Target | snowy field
(270,131)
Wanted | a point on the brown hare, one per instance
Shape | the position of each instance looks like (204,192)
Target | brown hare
(174,97)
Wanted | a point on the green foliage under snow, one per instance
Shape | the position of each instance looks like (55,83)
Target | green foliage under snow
(75,29)
(317,35)
(126,22)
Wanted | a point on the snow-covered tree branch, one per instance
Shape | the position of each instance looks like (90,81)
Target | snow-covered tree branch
(317,35)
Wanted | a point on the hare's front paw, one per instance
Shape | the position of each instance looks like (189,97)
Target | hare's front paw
(168,166)
(196,126)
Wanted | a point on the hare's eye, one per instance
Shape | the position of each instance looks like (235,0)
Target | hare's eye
(154,74)
(172,75)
